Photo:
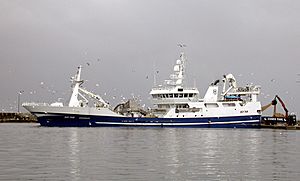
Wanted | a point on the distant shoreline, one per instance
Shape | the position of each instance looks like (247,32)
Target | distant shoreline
(17,118)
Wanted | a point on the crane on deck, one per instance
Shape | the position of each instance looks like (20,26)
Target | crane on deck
(279,117)
(100,101)
(274,103)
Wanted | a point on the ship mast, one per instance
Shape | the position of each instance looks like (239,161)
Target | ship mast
(78,90)
(74,102)
(177,78)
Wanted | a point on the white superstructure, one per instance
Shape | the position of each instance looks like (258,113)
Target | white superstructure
(175,104)
(78,103)
(175,99)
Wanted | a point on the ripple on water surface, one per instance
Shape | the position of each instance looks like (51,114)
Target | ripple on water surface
(30,152)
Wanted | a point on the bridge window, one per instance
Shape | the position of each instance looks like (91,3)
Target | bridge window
(176,95)
(190,95)
(171,95)
(211,105)
(229,104)
(185,95)
(155,96)
(180,95)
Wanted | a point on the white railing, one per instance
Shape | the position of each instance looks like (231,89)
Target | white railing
(172,88)
(34,104)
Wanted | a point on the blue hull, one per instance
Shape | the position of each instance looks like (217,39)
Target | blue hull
(102,121)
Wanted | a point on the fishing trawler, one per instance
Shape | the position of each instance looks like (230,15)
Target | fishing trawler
(225,105)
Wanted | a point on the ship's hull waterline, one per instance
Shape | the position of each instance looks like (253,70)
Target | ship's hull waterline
(75,120)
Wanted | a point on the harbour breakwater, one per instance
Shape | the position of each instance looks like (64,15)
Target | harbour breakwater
(17,118)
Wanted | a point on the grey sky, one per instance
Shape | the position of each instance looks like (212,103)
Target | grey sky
(45,40)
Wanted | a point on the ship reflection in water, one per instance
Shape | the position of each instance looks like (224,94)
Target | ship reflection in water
(42,153)
(74,154)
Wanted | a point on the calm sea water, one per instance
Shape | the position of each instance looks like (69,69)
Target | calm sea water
(30,152)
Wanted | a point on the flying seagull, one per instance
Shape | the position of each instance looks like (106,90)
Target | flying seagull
(181,45)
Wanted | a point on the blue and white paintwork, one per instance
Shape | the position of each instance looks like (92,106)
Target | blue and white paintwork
(101,121)
(175,105)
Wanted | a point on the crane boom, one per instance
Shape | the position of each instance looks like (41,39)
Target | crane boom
(274,103)
(289,120)
(94,96)
(263,108)
(283,105)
